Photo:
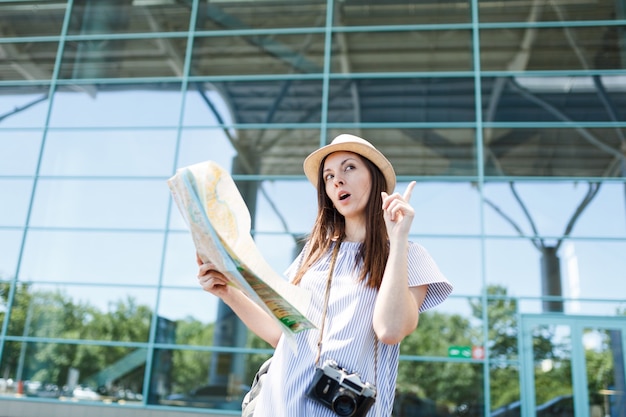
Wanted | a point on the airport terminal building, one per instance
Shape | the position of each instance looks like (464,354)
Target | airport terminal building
(509,114)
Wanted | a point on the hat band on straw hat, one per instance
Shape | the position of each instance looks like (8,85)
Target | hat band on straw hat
(350,143)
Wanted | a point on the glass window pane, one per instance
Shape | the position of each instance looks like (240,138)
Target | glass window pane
(180,267)
(258,54)
(77,373)
(109,152)
(83,312)
(208,104)
(23,107)
(192,314)
(263,101)
(530,11)
(505,390)
(453,323)
(558,48)
(132,58)
(406,100)
(32,18)
(131,17)
(428,388)
(10,244)
(444,208)
(100,204)
(117,106)
(406,51)
(19,152)
(586,269)
(365,13)
(27,60)
(188,378)
(92,257)
(260,15)
(259,151)
(458,259)
(552,206)
(200,145)
(555,99)
(13,209)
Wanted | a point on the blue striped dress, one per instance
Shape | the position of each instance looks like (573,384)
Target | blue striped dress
(348,335)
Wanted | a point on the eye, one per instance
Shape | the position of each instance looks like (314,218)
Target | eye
(328,177)
(349,167)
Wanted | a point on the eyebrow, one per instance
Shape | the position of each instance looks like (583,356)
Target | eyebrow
(343,162)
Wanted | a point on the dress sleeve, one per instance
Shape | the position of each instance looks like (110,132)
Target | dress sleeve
(424,271)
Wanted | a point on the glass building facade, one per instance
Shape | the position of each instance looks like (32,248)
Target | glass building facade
(510,115)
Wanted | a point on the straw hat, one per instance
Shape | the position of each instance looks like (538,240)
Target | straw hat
(350,143)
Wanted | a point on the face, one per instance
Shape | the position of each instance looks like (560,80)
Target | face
(348,183)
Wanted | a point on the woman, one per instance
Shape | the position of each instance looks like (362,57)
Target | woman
(367,294)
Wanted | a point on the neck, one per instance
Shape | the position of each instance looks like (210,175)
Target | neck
(355,231)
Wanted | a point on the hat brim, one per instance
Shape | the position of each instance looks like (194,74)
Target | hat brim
(312,162)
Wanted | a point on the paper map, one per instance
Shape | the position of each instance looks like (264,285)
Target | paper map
(219,222)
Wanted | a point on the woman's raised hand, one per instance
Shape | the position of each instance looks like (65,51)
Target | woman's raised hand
(398,212)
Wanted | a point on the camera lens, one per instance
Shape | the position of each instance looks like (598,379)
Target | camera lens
(344,404)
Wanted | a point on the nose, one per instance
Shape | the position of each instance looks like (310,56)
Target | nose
(338,180)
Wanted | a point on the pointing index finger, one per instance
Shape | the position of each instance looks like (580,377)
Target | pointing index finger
(409,191)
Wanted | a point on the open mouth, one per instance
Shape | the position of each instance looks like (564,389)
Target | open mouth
(344,196)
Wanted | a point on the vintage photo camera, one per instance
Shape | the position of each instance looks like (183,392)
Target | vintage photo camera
(341,391)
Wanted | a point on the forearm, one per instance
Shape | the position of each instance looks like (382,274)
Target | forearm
(396,311)
(253,316)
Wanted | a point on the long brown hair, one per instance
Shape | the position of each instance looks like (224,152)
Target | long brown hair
(330,226)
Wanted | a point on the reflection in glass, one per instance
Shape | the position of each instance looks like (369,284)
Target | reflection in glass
(19,152)
(180,268)
(462,203)
(253,102)
(505,390)
(22,57)
(604,359)
(552,358)
(109,153)
(439,389)
(531,11)
(75,311)
(192,313)
(558,48)
(407,100)
(200,145)
(260,15)
(89,17)
(78,373)
(258,54)
(149,57)
(554,153)
(458,323)
(184,378)
(32,17)
(556,99)
(547,208)
(23,107)
(365,13)
(100,204)
(10,243)
(91,257)
(117,106)
(406,51)
(459,259)
(13,210)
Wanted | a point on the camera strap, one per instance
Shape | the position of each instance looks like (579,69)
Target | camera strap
(331,269)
